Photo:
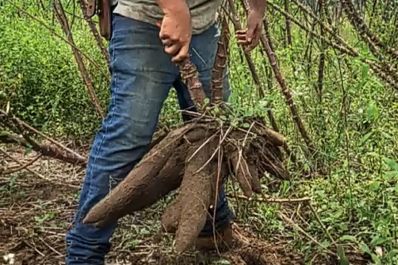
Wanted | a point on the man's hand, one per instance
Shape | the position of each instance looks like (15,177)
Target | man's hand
(250,36)
(175,28)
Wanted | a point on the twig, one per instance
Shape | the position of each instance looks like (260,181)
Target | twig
(63,21)
(302,231)
(44,149)
(267,44)
(95,33)
(34,248)
(215,152)
(36,173)
(11,171)
(50,247)
(321,224)
(266,199)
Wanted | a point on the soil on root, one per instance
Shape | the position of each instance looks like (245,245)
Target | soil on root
(197,190)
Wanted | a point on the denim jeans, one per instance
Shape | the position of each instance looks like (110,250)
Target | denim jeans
(142,75)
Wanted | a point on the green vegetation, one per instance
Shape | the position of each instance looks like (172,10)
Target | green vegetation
(353,121)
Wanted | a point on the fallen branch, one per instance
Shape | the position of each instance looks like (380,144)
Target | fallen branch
(266,199)
(19,127)
(14,170)
(36,173)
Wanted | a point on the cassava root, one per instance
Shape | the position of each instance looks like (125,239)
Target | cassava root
(187,159)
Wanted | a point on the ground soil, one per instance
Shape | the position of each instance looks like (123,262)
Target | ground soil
(35,214)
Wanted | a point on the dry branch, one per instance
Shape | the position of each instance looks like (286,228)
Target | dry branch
(24,167)
(85,75)
(21,167)
(95,32)
(190,75)
(367,35)
(220,64)
(23,137)
(266,41)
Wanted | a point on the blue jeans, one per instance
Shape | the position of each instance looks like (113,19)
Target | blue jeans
(142,75)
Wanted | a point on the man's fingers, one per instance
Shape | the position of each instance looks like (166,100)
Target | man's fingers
(173,49)
(252,27)
(241,37)
(255,41)
(250,33)
(166,42)
(182,55)
(163,35)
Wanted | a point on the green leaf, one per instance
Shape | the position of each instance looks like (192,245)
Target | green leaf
(372,112)
(364,248)
(365,72)
(343,260)
(377,240)
(392,164)
(374,185)
(365,138)
(348,238)
(246,125)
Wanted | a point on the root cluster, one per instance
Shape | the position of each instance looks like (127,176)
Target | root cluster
(195,158)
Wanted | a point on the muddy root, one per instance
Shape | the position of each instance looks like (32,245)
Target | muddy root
(194,159)
(171,216)
(197,190)
(242,172)
(143,186)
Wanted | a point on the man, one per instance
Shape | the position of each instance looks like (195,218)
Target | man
(148,38)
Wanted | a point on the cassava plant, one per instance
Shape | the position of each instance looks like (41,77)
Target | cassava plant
(209,150)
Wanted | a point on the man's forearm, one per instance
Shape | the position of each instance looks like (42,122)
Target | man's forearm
(257,6)
(169,6)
